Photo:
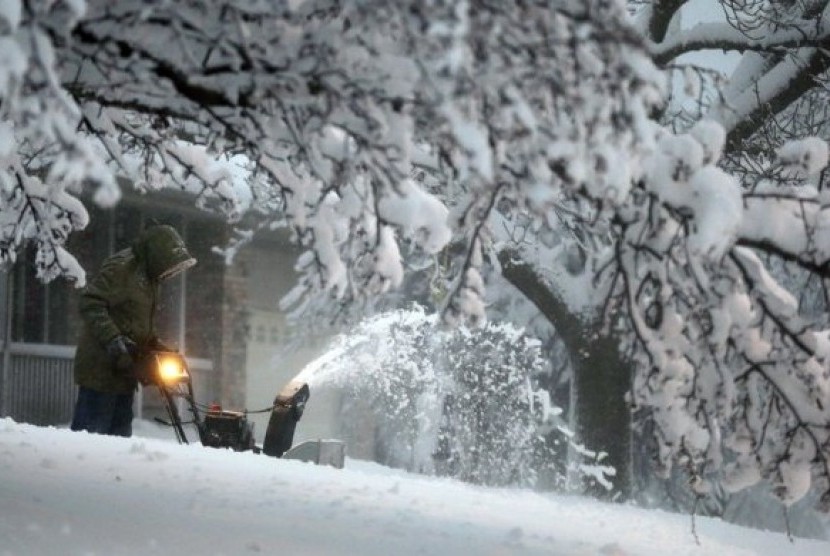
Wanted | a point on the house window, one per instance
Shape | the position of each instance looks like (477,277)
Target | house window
(39,310)
(48,313)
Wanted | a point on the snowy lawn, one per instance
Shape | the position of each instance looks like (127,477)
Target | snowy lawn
(75,493)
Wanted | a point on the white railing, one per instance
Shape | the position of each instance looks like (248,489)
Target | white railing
(37,384)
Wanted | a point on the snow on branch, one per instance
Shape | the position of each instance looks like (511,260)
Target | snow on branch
(730,368)
(37,122)
(775,83)
(724,36)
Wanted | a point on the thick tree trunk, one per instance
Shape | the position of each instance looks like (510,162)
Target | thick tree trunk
(601,376)
(601,380)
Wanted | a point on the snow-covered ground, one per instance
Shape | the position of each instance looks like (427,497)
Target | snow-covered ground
(74,493)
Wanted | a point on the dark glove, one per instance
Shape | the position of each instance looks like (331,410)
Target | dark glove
(121,351)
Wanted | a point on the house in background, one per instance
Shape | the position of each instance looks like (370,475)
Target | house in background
(263,274)
(224,318)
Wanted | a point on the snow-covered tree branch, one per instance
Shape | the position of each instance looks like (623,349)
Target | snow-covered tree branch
(723,36)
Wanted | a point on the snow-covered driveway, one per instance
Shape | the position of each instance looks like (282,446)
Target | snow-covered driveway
(73,493)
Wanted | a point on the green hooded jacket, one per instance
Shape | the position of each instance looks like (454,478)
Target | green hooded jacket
(122,299)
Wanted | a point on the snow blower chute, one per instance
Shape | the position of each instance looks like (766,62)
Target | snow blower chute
(220,428)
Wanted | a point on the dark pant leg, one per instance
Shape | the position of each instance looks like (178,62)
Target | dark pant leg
(122,417)
(103,413)
(90,414)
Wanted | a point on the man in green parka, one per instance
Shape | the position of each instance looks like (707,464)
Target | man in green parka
(118,308)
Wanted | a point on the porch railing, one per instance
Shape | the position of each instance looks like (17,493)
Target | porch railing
(37,386)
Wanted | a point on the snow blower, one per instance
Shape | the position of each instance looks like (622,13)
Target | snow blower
(220,428)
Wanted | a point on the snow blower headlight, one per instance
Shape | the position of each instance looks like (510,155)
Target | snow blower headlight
(169,368)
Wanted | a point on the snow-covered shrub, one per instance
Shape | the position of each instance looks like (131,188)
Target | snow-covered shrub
(490,429)
(457,402)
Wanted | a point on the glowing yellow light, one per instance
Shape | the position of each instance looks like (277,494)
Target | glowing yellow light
(171,369)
